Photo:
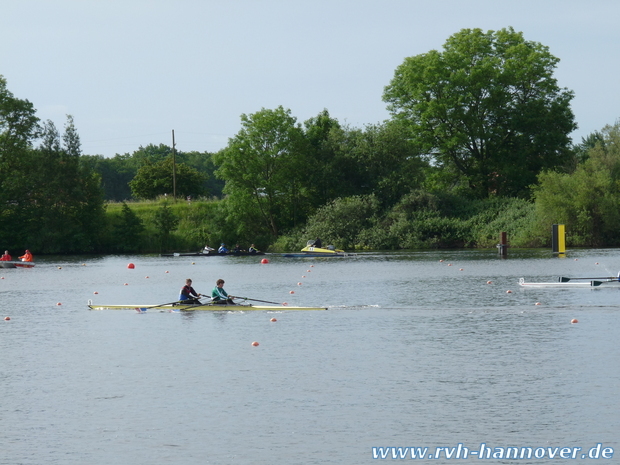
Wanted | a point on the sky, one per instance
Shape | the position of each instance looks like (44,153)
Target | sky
(131,72)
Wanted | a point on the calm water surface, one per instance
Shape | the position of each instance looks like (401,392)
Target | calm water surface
(416,349)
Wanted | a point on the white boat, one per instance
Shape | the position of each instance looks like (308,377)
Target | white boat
(561,284)
(208,306)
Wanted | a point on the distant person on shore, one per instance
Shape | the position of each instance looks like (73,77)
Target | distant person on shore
(219,295)
(188,294)
(27,257)
(6,257)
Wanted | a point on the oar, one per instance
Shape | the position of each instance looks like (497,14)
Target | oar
(256,300)
(169,303)
(565,280)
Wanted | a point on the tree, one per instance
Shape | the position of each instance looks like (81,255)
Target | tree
(586,200)
(165,222)
(127,231)
(265,168)
(486,108)
(155,179)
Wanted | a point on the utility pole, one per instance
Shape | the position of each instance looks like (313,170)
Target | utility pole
(174,169)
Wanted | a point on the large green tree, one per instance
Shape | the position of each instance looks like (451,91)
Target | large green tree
(486,108)
(265,166)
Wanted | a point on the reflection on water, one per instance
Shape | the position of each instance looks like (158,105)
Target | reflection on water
(412,352)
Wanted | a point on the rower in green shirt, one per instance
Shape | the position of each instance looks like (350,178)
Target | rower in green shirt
(219,295)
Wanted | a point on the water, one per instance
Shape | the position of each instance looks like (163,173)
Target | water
(412,352)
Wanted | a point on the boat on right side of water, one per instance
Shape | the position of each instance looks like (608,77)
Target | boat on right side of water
(565,285)
(310,250)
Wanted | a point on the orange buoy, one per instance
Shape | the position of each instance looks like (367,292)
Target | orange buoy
(311,266)
(537,303)
(167,271)
(489,282)
(440,261)
(299,284)
(255,344)
(60,267)
(264,261)
(273,320)
(125,284)
(95,292)
(574,320)
(291,292)
(131,266)
(509,292)
(460,269)
(303,276)
(59,303)
(146,277)
(7,318)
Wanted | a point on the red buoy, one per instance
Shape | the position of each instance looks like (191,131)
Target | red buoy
(131,266)
(264,261)
(255,344)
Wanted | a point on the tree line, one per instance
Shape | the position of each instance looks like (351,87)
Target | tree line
(478,139)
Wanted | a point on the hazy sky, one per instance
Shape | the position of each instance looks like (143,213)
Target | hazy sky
(131,71)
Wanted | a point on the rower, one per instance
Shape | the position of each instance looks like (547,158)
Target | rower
(27,257)
(219,295)
(188,294)
(222,249)
(6,257)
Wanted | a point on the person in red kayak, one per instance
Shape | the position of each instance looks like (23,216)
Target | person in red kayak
(6,257)
(27,257)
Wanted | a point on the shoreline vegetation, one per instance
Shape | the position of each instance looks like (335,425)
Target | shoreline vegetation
(477,144)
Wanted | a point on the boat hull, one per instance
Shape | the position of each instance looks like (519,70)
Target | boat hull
(212,254)
(207,307)
(15,264)
(569,285)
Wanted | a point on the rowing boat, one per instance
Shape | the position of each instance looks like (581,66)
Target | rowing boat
(208,306)
(16,264)
(311,251)
(561,284)
(215,253)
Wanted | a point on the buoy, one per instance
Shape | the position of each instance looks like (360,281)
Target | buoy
(60,267)
(460,269)
(131,266)
(83,264)
(449,264)
(255,344)
(125,284)
(440,261)
(574,320)
(508,292)
(596,263)
(311,266)
(167,271)
(284,304)
(2,277)
(95,292)
(7,318)
(273,319)
(303,276)
(264,261)
(309,271)
(537,303)
(576,259)
(489,282)
(299,284)
(291,292)
(193,263)
(59,303)
(146,277)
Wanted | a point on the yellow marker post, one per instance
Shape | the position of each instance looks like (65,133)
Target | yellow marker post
(558,238)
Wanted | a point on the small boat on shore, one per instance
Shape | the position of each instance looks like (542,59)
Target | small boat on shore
(196,307)
(16,264)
